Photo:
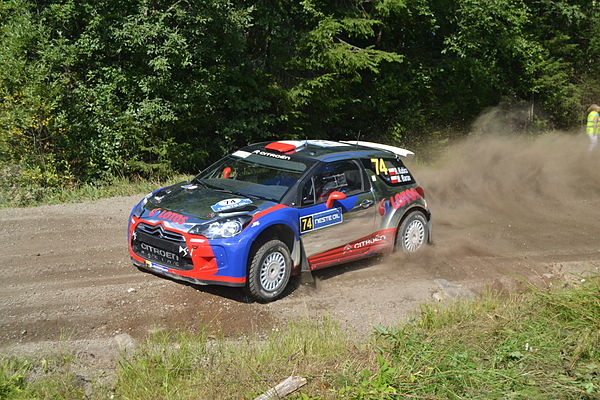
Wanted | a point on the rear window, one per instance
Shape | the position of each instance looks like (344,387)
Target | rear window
(389,170)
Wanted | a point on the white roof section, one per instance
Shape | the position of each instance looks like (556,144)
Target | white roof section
(396,150)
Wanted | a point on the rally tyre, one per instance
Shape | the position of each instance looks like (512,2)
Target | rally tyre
(412,233)
(269,271)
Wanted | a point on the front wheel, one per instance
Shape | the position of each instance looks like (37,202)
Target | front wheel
(269,272)
(412,233)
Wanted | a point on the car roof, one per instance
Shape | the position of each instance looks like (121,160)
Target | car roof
(327,150)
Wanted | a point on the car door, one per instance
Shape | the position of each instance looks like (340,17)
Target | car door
(327,233)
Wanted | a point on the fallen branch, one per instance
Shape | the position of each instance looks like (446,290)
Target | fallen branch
(283,388)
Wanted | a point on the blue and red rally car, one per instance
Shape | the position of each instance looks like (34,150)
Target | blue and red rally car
(271,209)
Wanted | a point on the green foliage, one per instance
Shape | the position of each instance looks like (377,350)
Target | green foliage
(541,345)
(12,378)
(16,191)
(332,57)
(93,90)
(185,366)
(27,104)
(53,379)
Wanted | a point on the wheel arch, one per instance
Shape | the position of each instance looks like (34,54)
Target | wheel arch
(278,231)
(408,212)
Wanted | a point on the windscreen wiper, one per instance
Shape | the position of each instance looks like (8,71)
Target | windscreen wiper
(206,185)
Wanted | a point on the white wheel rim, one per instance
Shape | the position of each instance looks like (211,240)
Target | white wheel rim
(272,271)
(414,235)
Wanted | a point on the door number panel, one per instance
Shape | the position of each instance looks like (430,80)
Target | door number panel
(321,220)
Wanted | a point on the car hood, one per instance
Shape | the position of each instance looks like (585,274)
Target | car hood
(184,205)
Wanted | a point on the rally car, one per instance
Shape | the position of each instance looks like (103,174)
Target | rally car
(272,209)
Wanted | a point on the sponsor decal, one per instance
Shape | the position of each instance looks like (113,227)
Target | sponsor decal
(364,243)
(241,154)
(160,252)
(228,204)
(183,250)
(273,155)
(168,216)
(383,207)
(379,165)
(190,187)
(395,174)
(404,198)
(398,200)
(380,241)
(369,242)
(321,220)
(157,267)
(399,175)
(326,143)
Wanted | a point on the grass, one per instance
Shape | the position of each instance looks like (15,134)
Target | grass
(45,378)
(538,345)
(27,196)
(186,367)
(543,345)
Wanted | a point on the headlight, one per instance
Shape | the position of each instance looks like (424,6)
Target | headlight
(223,228)
(138,210)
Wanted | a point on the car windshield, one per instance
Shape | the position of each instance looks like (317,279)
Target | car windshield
(253,175)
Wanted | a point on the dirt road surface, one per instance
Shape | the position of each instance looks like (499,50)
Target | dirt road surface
(503,209)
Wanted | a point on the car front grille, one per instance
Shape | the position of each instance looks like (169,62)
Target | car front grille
(168,248)
(160,232)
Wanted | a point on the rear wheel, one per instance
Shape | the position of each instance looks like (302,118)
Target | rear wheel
(412,233)
(269,272)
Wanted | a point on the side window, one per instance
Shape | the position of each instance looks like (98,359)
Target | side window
(389,170)
(343,176)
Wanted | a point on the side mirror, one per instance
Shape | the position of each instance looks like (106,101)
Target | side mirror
(333,196)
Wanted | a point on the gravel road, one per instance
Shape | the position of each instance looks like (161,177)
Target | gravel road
(503,209)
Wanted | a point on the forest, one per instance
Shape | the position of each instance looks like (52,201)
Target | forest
(92,90)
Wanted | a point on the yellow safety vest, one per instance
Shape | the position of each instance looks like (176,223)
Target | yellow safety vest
(590,123)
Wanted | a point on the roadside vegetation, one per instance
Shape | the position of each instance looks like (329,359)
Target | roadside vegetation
(24,195)
(544,344)
(93,90)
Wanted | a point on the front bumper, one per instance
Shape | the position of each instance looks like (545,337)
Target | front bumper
(195,281)
(192,258)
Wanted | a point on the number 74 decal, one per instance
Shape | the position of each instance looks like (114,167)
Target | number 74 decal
(380,167)
(321,220)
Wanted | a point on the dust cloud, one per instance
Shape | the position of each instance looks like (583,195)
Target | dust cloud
(512,197)
(531,182)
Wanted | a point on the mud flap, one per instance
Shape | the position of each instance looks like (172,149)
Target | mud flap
(430,232)
(306,276)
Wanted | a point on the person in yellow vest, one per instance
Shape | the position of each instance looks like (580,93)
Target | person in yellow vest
(593,125)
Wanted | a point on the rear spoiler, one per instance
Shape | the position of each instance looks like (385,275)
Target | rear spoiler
(396,150)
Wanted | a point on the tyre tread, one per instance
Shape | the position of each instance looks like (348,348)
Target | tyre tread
(399,234)
(253,288)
